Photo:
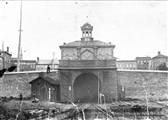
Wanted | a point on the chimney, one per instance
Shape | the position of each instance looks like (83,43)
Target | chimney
(7,49)
(159,53)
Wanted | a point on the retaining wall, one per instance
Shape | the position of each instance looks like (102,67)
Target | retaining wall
(136,83)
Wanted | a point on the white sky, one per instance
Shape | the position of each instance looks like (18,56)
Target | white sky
(136,28)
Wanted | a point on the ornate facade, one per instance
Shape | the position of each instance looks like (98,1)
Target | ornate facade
(87,69)
(87,48)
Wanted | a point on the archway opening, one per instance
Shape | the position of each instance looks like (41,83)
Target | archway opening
(86,88)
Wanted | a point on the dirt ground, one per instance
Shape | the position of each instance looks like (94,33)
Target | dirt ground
(9,110)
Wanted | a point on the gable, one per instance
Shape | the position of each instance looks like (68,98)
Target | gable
(87,55)
(47,79)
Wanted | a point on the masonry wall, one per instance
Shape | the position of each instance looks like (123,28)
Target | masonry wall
(109,85)
(136,82)
(87,53)
(66,91)
(12,84)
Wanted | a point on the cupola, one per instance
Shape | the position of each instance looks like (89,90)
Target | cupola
(87,32)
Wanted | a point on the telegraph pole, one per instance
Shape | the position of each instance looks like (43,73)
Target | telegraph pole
(19,44)
(98,89)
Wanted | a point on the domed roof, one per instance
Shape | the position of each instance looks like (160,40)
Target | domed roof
(95,43)
(86,26)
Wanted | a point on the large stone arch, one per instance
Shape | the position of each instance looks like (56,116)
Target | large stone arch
(85,88)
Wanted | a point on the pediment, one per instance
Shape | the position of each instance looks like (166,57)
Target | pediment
(87,55)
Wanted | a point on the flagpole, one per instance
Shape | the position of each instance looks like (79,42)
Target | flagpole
(19,44)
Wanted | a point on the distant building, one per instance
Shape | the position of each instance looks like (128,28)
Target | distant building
(42,64)
(32,65)
(5,59)
(143,63)
(25,65)
(126,64)
(158,60)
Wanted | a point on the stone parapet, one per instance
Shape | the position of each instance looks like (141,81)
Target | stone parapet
(86,64)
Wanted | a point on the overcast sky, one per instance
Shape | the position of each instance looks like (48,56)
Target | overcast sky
(135,28)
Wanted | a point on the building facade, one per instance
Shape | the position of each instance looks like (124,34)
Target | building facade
(126,64)
(87,69)
(158,60)
(5,59)
(143,63)
(42,64)
(25,65)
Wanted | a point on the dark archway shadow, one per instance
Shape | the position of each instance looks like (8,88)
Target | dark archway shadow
(86,88)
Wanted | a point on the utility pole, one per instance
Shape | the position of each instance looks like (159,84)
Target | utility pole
(19,44)
(98,89)
(52,61)
(3,46)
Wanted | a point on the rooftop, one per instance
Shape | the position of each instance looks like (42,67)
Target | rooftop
(46,78)
(126,61)
(160,55)
(5,52)
(95,43)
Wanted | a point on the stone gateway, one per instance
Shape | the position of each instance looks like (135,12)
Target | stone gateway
(87,70)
